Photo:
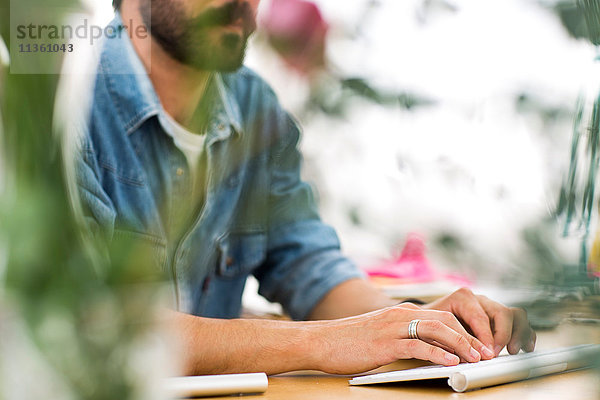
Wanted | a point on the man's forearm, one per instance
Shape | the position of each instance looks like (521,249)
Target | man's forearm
(352,297)
(212,346)
(348,345)
(341,346)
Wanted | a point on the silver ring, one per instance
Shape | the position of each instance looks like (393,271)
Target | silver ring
(412,329)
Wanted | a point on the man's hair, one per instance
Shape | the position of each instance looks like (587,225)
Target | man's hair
(117,4)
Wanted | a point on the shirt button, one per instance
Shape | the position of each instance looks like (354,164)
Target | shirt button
(229,261)
(221,127)
(179,171)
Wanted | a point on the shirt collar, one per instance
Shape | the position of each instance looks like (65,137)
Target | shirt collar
(133,93)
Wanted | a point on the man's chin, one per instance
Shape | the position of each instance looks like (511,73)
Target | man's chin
(224,61)
(216,65)
(225,54)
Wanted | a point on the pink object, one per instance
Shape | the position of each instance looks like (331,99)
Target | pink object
(296,30)
(413,266)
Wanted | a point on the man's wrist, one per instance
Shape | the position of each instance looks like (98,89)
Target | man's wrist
(317,344)
(283,345)
(308,350)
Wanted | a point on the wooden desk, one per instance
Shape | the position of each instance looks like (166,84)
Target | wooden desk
(574,385)
(579,385)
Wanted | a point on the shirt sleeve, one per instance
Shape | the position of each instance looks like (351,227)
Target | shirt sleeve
(98,211)
(304,261)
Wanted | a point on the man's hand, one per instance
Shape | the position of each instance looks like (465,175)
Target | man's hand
(360,343)
(492,323)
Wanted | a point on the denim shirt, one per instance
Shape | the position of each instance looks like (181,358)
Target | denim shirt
(258,217)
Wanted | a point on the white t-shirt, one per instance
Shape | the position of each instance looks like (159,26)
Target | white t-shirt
(191,144)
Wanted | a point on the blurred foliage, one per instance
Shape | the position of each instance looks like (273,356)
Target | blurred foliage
(542,261)
(591,11)
(572,18)
(87,325)
(331,92)
(578,198)
(527,102)
(332,95)
(581,18)
(577,202)
(450,244)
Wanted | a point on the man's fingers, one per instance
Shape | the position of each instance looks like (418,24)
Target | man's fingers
(530,346)
(450,320)
(491,323)
(471,312)
(523,336)
(437,331)
(502,319)
(443,346)
(413,348)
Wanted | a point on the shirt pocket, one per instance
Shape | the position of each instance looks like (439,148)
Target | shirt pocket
(240,253)
(123,172)
(149,253)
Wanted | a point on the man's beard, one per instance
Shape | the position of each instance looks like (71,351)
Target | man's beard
(200,42)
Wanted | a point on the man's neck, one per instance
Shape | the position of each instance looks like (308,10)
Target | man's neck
(180,88)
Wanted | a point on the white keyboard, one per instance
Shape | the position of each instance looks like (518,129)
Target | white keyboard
(498,370)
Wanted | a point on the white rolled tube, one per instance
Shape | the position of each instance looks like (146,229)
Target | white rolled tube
(216,385)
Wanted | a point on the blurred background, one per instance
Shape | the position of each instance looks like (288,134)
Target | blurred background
(450,118)
(453,119)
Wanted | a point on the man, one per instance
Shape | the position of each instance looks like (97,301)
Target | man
(190,153)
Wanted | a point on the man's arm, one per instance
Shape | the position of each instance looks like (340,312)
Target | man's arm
(96,207)
(303,258)
(212,346)
(353,297)
(343,346)
(340,341)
